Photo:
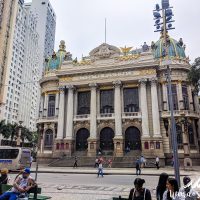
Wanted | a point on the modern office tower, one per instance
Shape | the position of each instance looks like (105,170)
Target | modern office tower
(8,11)
(45,27)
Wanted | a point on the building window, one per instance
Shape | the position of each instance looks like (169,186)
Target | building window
(83,103)
(174,96)
(51,106)
(185,97)
(179,136)
(191,134)
(131,100)
(48,141)
(106,101)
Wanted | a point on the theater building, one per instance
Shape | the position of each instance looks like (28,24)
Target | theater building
(117,98)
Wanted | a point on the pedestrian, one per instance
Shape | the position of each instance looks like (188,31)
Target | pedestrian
(187,191)
(157,162)
(137,167)
(4,178)
(31,160)
(100,169)
(21,186)
(139,193)
(109,162)
(142,161)
(75,162)
(161,188)
(172,190)
(96,163)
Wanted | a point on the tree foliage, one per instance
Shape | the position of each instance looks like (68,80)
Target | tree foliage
(194,74)
(11,131)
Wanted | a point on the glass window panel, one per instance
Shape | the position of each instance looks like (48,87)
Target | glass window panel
(51,105)
(174,96)
(131,100)
(107,101)
(185,97)
(83,103)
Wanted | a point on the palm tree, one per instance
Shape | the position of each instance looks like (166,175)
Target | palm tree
(5,129)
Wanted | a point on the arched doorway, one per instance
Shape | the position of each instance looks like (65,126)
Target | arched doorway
(48,139)
(81,139)
(133,138)
(106,139)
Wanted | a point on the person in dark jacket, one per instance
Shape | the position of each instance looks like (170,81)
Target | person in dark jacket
(139,193)
(161,188)
(4,176)
(138,167)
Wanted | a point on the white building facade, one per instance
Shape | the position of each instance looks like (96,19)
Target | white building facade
(115,100)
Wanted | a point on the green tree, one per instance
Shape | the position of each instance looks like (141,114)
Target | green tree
(194,74)
(5,129)
(14,131)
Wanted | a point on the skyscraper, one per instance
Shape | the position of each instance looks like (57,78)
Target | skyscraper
(45,27)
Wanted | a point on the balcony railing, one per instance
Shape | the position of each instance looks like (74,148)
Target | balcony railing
(106,115)
(178,113)
(82,117)
(131,115)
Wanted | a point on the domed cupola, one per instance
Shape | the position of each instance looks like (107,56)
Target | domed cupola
(176,49)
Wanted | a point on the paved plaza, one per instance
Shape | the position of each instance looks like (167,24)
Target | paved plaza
(82,183)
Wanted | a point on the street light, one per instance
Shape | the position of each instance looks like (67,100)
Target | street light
(163,24)
(19,133)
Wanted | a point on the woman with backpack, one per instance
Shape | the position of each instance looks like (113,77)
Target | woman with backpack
(139,193)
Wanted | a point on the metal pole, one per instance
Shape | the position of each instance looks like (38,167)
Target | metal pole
(173,129)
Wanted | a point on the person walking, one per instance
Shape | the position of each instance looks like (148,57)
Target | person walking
(161,188)
(137,167)
(139,193)
(187,192)
(109,162)
(96,163)
(157,162)
(100,169)
(75,162)
(172,190)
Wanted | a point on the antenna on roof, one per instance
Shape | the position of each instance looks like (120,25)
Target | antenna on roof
(105,30)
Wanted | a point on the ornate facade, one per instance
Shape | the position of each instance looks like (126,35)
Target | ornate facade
(116,99)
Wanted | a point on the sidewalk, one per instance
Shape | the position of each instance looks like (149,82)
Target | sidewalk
(114,171)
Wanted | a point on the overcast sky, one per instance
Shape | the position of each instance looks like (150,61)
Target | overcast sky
(129,22)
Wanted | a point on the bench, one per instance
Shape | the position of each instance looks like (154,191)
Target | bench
(33,192)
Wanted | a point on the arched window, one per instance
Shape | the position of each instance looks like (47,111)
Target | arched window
(48,140)
(106,139)
(191,134)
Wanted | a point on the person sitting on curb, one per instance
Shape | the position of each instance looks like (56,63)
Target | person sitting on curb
(21,186)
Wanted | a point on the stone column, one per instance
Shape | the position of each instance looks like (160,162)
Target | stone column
(155,109)
(191,103)
(57,104)
(46,97)
(144,110)
(41,106)
(70,108)
(60,133)
(180,96)
(118,139)
(165,100)
(92,140)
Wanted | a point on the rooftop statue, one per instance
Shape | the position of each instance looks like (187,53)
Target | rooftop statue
(55,61)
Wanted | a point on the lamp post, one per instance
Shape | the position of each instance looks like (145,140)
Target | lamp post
(163,26)
(19,133)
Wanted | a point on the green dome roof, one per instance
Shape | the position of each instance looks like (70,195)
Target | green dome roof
(175,49)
